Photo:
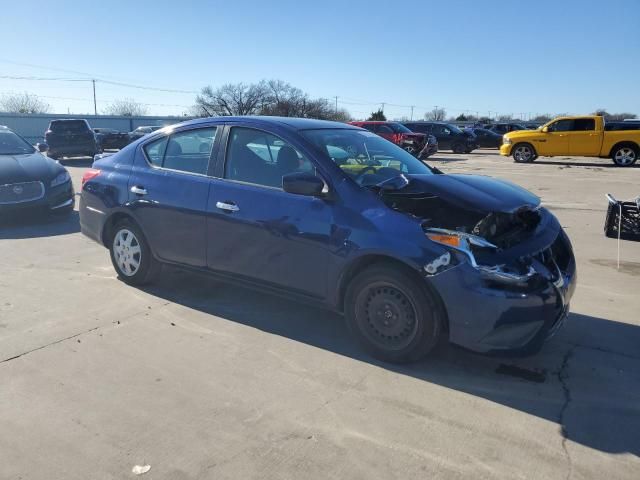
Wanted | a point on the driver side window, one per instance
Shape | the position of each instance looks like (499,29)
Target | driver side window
(561,126)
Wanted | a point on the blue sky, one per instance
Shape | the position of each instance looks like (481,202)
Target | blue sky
(501,56)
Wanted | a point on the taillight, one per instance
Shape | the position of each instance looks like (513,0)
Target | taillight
(90,174)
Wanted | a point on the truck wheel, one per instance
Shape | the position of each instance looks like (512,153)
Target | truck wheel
(524,153)
(393,316)
(624,155)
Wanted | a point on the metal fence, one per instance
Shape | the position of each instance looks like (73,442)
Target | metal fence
(32,127)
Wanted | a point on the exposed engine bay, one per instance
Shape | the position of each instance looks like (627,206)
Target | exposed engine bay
(487,220)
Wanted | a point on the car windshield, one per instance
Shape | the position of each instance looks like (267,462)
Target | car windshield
(399,128)
(68,126)
(453,128)
(12,144)
(364,156)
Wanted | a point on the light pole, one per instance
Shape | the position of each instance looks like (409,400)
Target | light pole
(95,106)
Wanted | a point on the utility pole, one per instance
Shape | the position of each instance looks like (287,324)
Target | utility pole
(412,112)
(336,104)
(95,106)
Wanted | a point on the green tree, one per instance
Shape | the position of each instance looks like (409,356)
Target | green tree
(377,116)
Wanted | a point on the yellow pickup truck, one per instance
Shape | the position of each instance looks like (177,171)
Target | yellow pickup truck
(585,136)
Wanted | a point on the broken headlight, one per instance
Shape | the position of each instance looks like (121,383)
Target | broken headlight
(462,242)
(459,241)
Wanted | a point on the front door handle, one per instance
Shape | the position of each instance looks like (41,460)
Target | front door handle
(138,190)
(227,207)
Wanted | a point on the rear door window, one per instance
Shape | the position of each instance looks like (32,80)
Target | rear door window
(187,151)
(584,124)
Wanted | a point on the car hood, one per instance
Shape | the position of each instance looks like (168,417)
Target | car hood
(27,168)
(473,192)
(523,134)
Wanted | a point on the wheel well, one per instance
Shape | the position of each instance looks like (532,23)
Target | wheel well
(367,261)
(624,144)
(111,222)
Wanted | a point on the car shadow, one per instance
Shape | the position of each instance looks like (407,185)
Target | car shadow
(448,159)
(569,163)
(574,382)
(37,226)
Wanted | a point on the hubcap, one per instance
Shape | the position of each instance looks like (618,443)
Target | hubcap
(387,317)
(523,154)
(625,156)
(127,252)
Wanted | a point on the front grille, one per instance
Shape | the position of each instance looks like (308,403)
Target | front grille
(21,192)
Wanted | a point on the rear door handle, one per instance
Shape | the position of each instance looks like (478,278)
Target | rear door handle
(138,190)
(227,207)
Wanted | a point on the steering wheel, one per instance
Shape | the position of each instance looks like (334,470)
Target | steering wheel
(364,171)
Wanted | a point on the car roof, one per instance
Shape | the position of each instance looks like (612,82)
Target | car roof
(372,121)
(290,122)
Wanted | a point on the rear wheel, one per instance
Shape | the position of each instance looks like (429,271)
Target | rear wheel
(411,149)
(458,148)
(624,155)
(392,315)
(524,153)
(131,256)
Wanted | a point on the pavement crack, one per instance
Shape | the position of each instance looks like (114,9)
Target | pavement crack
(563,378)
(48,345)
(604,350)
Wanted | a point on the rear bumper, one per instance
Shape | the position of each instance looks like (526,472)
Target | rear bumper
(496,318)
(86,148)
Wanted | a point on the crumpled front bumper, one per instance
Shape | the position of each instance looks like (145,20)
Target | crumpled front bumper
(490,317)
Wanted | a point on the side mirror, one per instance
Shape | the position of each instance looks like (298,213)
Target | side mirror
(42,147)
(545,129)
(303,183)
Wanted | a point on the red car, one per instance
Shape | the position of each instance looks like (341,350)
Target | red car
(414,143)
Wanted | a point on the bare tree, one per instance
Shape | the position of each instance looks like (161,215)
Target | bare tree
(614,116)
(436,115)
(545,117)
(232,99)
(23,103)
(127,107)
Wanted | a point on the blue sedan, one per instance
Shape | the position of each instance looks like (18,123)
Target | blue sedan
(337,216)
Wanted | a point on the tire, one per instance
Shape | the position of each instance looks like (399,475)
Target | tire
(458,148)
(523,153)
(131,256)
(624,155)
(392,315)
(468,150)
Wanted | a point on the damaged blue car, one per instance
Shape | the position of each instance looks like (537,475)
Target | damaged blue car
(337,216)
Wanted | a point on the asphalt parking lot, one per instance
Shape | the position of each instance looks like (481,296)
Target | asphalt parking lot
(202,380)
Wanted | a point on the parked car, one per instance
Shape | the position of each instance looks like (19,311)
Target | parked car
(415,143)
(335,215)
(449,136)
(70,138)
(625,125)
(142,131)
(486,138)
(585,136)
(110,139)
(502,128)
(29,181)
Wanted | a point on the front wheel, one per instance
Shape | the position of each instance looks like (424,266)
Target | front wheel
(131,256)
(625,155)
(392,314)
(523,153)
